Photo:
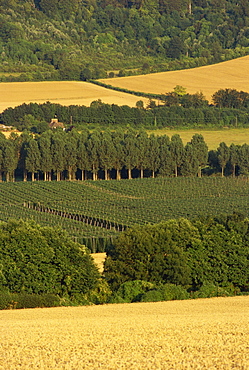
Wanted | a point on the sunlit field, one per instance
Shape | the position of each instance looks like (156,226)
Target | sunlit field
(207,79)
(213,138)
(195,334)
(62,92)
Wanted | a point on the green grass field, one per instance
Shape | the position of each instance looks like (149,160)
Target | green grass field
(125,202)
(212,137)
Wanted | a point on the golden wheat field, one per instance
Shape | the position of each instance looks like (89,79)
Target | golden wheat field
(195,334)
(66,93)
(208,79)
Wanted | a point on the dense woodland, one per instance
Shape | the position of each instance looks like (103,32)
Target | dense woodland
(177,259)
(114,155)
(73,39)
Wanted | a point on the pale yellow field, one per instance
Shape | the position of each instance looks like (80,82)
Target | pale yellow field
(196,334)
(208,79)
(212,137)
(66,93)
(99,259)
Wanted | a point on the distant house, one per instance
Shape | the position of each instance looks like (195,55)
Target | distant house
(56,124)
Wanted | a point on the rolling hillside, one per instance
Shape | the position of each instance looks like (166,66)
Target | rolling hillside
(193,334)
(62,92)
(208,79)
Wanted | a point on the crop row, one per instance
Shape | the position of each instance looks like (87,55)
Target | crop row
(122,203)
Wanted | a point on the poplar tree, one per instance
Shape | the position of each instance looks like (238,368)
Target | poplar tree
(223,155)
(107,153)
(176,149)
(71,155)
(82,154)
(33,158)
(58,152)
(152,155)
(9,159)
(201,151)
(44,143)
(190,165)
(118,141)
(93,144)
(130,151)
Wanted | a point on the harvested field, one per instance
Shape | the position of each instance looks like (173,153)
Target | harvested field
(61,92)
(195,334)
(207,79)
(213,138)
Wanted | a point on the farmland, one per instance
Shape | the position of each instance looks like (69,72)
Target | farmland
(208,79)
(111,205)
(213,138)
(61,92)
(193,334)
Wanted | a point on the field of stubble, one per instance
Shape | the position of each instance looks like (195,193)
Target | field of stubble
(195,334)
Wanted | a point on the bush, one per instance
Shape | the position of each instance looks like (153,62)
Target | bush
(166,292)
(24,300)
(211,290)
(131,291)
(152,296)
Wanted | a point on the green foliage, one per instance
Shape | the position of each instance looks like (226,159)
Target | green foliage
(131,291)
(39,260)
(166,292)
(146,253)
(211,290)
(24,300)
(178,252)
(57,39)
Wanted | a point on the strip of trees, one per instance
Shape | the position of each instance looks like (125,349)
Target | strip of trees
(173,109)
(59,155)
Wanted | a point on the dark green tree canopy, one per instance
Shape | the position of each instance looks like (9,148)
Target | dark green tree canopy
(35,259)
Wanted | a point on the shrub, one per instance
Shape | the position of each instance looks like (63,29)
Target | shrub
(131,291)
(24,300)
(166,292)
(211,290)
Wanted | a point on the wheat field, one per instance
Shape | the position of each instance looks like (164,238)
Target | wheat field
(195,334)
(208,79)
(66,93)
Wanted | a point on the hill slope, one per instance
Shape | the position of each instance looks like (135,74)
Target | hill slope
(78,40)
(207,79)
(61,92)
(198,334)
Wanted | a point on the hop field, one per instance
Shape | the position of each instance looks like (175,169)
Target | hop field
(195,334)
(109,206)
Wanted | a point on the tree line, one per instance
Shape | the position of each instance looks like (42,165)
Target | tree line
(175,259)
(116,154)
(200,256)
(172,109)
